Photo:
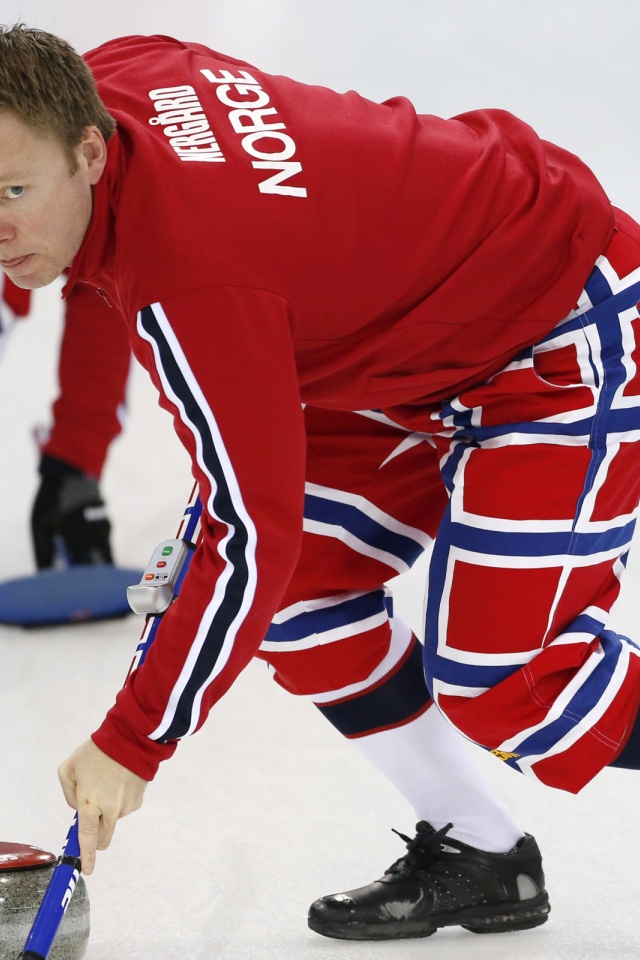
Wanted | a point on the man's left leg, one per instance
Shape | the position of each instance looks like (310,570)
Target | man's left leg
(543,466)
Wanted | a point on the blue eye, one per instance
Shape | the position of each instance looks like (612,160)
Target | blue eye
(14,192)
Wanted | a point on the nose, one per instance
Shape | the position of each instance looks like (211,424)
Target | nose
(7,229)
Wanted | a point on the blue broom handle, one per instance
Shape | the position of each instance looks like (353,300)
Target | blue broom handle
(66,872)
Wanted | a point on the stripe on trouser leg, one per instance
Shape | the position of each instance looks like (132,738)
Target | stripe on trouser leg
(312,623)
(362,526)
(397,699)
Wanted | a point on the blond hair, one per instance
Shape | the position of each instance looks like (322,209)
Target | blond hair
(50,87)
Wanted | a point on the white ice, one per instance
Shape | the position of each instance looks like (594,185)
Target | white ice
(267,808)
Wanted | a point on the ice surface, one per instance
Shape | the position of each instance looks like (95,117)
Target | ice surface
(267,808)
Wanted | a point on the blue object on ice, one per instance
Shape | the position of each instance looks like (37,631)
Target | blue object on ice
(72,595)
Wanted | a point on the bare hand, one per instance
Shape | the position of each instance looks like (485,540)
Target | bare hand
(102,791)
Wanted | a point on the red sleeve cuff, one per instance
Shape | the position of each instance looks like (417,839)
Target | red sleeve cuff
(133,750)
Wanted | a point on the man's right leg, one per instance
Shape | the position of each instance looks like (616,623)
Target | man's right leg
(374,496)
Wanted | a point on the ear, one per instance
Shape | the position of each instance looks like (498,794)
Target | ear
(92,153)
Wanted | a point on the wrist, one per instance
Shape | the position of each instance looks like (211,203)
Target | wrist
(54,467)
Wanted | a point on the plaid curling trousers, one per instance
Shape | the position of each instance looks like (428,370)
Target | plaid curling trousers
(542,466)
(526,487)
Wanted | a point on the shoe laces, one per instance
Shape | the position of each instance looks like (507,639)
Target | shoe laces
(421,849)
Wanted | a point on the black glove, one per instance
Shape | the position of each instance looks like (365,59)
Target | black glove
(69,517)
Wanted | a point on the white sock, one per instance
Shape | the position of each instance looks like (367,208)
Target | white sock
(429,764)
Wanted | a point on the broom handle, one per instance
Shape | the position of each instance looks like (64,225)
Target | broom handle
(66,872)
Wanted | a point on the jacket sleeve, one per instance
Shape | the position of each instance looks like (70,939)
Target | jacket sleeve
(93,368)
(14,303)
(17,299)
(223,363)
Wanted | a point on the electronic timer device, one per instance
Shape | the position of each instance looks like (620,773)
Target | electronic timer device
(157,586)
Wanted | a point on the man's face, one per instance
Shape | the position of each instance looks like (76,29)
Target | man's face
(44,208)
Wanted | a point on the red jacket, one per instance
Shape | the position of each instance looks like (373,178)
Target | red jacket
(270,243)
(95,358)
(19,300)
(93,370)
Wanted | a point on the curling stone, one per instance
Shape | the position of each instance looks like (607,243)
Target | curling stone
(24,875)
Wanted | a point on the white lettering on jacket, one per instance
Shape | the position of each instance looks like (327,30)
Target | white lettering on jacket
(263,137)
(184,122)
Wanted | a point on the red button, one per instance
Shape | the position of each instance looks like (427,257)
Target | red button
(149,576)
(161,563)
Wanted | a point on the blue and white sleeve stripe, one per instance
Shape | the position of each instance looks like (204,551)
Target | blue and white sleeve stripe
(234,590)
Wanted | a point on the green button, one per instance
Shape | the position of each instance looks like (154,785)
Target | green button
(166,551)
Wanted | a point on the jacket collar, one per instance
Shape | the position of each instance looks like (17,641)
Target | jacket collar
(94,261)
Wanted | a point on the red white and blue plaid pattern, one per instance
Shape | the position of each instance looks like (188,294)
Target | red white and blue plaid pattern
(542,464)
(529,483)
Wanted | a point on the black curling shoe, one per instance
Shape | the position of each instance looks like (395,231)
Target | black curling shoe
(440,882)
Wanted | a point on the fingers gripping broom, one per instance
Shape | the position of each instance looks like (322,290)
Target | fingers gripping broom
(158,587)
